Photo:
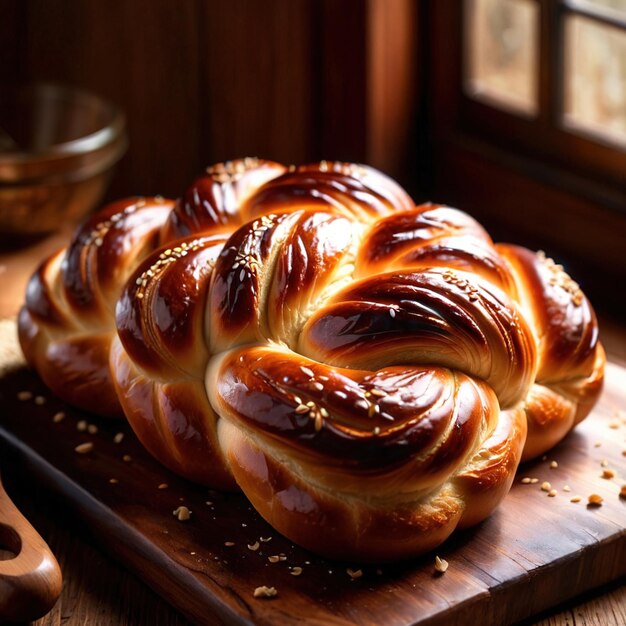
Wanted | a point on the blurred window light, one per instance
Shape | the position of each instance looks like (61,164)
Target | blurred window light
(595,77)
(501,53)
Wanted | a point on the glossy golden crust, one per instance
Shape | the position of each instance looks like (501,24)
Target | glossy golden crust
(67,323)
(365,370)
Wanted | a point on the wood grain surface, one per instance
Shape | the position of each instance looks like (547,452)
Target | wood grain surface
(533,553)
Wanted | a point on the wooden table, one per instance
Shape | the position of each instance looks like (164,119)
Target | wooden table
(99,591)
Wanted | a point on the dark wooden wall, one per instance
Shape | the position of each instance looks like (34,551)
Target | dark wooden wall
(206,80)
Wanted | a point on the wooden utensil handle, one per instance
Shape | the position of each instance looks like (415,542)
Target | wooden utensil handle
(30,583)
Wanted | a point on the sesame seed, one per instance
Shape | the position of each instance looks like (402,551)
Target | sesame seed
(566,488)
(595,500)
(392,312)
(302,408)
(317,386)
(604,463)
(118,438)
(597,444)
(622,492)
(614,425)
(254,546)
(534,481)
(296,571)
(273,559)
(265,592)
(127,458)
(525,481)
(575,499)
(113,481)
(58,417)
(378,392)
(264,539)
(323,412)
(81,425)
(40,400)
(163,486)
(318,422)
(376,430)
(554,465)
(84,448)
(608,474)
(552,493)
(546,486)
(441,565)
(309,372)
(92,429)
(229,544)
(23,396)
(354,573)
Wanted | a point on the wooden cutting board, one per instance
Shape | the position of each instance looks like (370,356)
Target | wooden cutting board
(533,553)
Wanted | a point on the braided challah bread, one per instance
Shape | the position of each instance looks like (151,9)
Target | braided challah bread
(368,372)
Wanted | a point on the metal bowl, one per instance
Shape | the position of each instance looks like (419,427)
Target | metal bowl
(58,146)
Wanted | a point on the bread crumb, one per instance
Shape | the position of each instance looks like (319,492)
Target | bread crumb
(182,513)
(265,592)
(441,565)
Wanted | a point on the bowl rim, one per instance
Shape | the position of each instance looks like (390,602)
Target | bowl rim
(82,145)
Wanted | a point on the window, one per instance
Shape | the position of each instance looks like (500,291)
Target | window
(551,77)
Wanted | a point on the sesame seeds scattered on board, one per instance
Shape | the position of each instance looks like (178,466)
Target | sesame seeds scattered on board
(265,592)
(84,448)
(441,565)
